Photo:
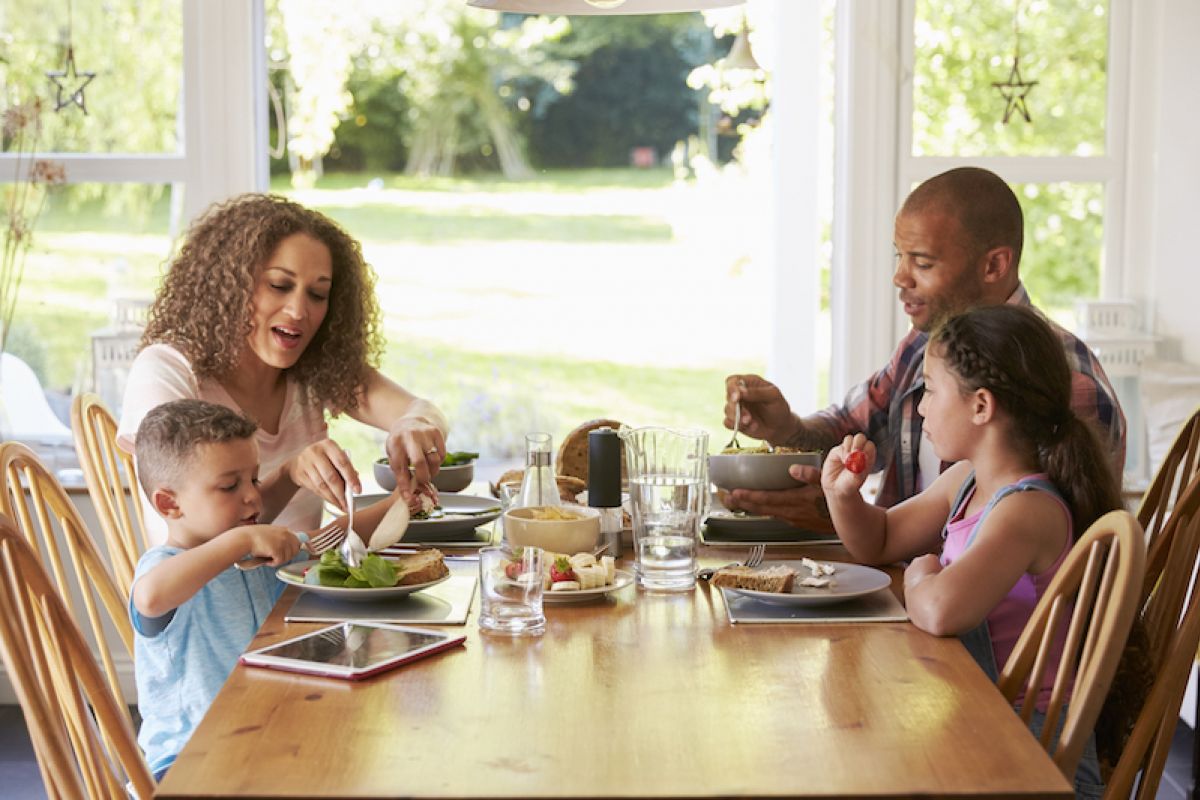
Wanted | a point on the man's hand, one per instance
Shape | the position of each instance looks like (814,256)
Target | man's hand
(765,413)
(803,507)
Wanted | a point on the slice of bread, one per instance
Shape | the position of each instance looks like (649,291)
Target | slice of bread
(422,567)
(772,579)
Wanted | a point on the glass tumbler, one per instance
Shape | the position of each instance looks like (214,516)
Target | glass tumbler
(510,590)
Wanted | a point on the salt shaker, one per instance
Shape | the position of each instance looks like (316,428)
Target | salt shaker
(604,485)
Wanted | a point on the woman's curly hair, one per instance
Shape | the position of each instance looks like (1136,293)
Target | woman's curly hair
(204,305)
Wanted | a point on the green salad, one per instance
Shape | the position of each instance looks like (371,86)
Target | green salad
(458,457)
(375,572)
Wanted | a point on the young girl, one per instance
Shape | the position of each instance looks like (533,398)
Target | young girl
(1030,476)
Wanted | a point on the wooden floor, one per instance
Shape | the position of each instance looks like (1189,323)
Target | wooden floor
(21,780)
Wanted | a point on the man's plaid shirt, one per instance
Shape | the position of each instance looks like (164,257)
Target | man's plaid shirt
(884,407)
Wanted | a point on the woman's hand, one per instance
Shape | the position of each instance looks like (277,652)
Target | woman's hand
(847,465)
(325,469)
(415,449)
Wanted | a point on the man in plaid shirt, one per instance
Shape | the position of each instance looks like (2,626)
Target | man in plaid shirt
(958,241)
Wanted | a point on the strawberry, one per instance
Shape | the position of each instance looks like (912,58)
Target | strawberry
(561,570)
(856,462)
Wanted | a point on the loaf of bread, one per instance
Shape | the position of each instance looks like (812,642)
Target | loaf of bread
(772,579)
(573,452)
(422,567)
(568,486)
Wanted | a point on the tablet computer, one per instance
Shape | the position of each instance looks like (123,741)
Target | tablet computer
(352,650)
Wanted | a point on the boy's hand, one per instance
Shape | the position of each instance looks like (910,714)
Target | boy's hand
(275,543)
(847,465)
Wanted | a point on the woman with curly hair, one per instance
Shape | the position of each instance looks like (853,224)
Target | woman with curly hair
(269,309)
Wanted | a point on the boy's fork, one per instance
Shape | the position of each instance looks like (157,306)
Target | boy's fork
(326,538)
(755,557)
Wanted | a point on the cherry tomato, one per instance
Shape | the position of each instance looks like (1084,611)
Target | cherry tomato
(512,569)
(856,461)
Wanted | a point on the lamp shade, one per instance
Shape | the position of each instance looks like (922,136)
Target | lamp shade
(600,7)
(740,55)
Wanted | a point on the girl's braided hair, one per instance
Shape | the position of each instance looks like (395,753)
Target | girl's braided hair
(1014,353)
(204,304)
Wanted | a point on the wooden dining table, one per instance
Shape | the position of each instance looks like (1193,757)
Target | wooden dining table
(638,695)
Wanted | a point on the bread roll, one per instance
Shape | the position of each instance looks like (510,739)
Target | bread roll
(422,567)
(573,452)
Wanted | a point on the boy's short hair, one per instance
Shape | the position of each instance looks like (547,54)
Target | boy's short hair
(167,439)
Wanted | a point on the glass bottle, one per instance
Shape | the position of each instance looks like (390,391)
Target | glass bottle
(538,487)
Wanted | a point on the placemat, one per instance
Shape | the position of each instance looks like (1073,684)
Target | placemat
(882,606)
(448,603)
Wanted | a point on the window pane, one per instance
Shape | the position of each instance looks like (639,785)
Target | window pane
(135,48)
(961,47)
(1064,238)
(96,254)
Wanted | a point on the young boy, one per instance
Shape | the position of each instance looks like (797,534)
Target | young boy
(193,612)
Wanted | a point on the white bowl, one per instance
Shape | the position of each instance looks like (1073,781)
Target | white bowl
(763,471)
(568,536)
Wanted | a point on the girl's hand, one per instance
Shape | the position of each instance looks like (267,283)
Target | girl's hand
(414,443)
(920,569)
(325,469)
(847,465)
(273,542)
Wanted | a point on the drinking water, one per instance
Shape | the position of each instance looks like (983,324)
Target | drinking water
(666,518)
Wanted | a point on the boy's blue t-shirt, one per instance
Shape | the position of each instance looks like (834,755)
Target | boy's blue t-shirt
(181,660)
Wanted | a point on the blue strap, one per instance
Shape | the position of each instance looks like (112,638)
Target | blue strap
(1030,484)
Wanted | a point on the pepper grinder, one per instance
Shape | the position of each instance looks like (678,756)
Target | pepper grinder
(604,485)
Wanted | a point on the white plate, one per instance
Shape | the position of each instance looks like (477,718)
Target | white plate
(853,580)
(293,575)
(621,579)
(450,525)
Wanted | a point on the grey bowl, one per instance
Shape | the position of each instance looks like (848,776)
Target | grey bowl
(448,479)
(762,471)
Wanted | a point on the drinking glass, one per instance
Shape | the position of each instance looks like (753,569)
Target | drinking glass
(510,590)
(668,492)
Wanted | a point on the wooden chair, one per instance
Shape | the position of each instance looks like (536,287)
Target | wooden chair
(47,520)
(1172,478)
(112,483)
(83,738)
(1171,617)
(1095,594)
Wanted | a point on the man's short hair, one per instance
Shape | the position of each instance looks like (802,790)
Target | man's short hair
(169,435)
(983,204)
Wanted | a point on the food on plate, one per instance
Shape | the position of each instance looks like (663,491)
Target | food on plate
(457,457)
(772,579)
(856,462)
(567,573)
(422,505)
(573,452)
(819,579)
(377,572)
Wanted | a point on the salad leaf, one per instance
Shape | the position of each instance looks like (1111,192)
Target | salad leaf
(375,572)
(457,457)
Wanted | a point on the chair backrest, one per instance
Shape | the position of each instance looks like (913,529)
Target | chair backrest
(1173,476)
(112,483)
(1171,616)
(1095,595)
(47,519)
(83,738)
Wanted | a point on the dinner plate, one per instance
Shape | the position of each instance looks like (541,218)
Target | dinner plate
(621,579)
(462,513)
(293,575)
(852,580)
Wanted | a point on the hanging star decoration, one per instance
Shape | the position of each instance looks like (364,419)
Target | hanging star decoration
(70,84)
(1014,91)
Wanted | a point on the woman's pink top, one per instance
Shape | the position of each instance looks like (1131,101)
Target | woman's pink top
(160,373)
(1008,619)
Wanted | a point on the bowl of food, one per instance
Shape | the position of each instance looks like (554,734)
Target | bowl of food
(456,473)
(758,467)
(560,529)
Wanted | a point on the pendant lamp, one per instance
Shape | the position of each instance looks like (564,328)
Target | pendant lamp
(740,55)
(600,7)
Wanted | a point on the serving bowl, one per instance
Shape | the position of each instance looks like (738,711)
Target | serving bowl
(763,471)
(575,535)
(448,479)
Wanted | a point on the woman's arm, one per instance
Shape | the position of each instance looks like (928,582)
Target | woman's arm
(416,430)
(1025,532)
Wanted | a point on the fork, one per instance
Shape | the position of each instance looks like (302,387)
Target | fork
(755,557)
(325,539)
(737,421)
